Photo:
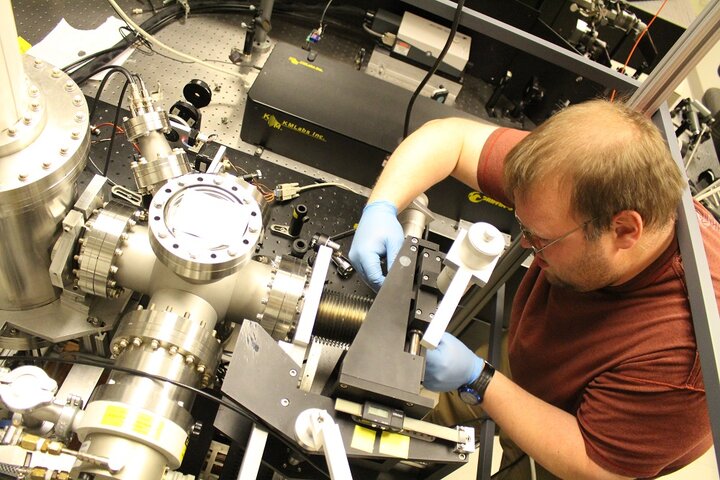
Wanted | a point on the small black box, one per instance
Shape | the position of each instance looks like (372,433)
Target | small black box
(329,115)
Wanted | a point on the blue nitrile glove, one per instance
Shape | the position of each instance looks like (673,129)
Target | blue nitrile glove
(378,234)
(451,365)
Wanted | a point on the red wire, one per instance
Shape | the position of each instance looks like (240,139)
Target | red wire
(637,42)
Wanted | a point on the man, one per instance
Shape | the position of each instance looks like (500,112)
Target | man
(606,374)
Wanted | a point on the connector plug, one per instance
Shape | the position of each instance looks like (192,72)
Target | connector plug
(286,191)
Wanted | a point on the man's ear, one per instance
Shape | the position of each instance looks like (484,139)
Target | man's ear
(627,227)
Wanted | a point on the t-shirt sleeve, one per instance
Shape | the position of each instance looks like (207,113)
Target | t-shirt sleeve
(492,157)
(640,428)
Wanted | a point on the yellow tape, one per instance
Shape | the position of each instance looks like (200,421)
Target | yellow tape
(395,445)
(143,424)
(114,416)
(363,439)
(24,45)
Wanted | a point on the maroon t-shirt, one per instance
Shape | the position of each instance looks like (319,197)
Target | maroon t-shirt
(623,359)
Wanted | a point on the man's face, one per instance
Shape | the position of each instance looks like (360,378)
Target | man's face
(572,262)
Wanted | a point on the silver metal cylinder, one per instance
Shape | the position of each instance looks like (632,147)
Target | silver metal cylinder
(413,219)
(13,95)
(138,423)
(41,157)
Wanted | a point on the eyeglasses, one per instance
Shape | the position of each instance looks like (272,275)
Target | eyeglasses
(539,244)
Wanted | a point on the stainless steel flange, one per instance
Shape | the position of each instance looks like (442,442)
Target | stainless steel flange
(205,226)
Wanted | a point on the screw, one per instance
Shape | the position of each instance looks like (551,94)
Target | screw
(413,248)
(55,72)
(293,372)
(461,456)
(154,344)
(137,341)
(77,100)
(27,119)
(425,277)
(34,91)
(414,240)
(22,177)
(69,86)
(63,150)
(173,350)
(46,164)
(75,135)
(34,106)
(11,131)
(284,402)
(418,312)
(79,116)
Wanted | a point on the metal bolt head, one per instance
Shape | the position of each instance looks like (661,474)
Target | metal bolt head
(34,91)
(11,131)
(201,368)
(173,350)
(46,164)
(75,134)
(284,402)
(56,72)
(63,150)
(293,372)
(189,359)
(27,119)
(22,176)
(77,100)
(123,343)
(154,344)
(79,116)
(414,240)
(35,106)
(137,341)
(69,86)
(418,312)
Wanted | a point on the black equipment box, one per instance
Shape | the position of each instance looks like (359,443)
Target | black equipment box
(329,115)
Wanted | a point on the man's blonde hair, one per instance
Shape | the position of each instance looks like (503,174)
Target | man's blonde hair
(612,157)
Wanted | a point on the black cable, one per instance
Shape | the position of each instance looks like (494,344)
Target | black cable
(105,79)
(114,128)
(101,362)
(431,72)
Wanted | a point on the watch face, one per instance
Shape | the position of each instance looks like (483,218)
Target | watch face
(468,395)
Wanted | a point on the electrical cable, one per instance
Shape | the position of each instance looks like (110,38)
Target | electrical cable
(431,72)
(156,42)
(113,69)
(154,24)
(101,362)
(371,31)
(320,185)
(114,132)
(637,42)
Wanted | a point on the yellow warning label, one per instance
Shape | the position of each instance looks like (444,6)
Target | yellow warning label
(273,122)
(159,429)
(305,64)
(363,439)
(143,424)
(114,416)
(478,197)
(395,445)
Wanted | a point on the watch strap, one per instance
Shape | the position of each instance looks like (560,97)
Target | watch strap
(480,384)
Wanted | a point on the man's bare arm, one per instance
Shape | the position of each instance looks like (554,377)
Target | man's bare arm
(438,149)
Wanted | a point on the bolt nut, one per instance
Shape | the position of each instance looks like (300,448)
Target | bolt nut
(69,86)
(11,131)
(173,350)
(189,359)
(137,341)
(56,72)
(75,134)
(154,344)
(77,100)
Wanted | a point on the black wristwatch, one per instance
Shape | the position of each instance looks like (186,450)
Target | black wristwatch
(473,393)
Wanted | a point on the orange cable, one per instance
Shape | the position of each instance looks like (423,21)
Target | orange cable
(637,42)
